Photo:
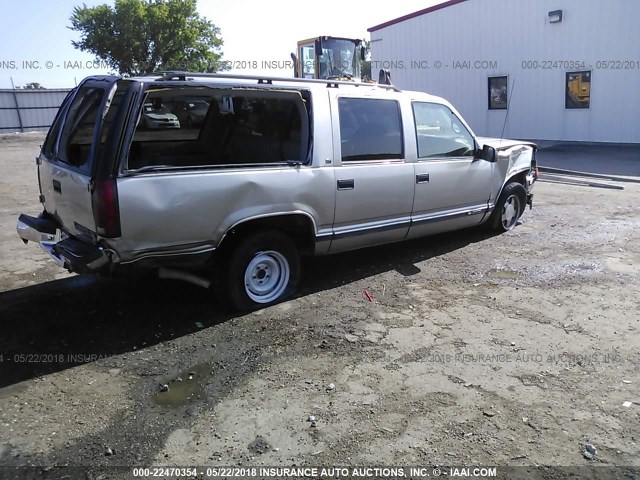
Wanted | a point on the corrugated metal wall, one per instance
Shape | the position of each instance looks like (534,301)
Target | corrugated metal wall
(25,110)
(516,39)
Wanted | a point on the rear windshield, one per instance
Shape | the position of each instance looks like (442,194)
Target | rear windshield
(71,138)
(77,134)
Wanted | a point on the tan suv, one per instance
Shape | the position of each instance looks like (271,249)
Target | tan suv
(276,169)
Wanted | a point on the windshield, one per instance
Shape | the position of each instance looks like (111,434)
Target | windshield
(339,59)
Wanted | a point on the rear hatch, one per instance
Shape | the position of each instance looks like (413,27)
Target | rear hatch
(76,145)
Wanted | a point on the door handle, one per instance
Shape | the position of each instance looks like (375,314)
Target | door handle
(348,184)
(422,178)
(57,186)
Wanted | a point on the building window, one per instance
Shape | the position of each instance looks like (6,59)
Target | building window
(577,90)
(370,129)
(498,93)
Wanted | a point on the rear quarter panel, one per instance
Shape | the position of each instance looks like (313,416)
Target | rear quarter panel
(167,210)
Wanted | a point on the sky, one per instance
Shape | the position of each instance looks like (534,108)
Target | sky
(35,41)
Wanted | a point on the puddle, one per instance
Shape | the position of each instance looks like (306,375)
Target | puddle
(186,387)
(583,267)
(618,265)
(503,274)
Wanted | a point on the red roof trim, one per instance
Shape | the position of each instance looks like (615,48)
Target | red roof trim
(450,3)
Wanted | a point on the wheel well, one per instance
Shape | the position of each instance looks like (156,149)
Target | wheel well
(298,227)
(520,177)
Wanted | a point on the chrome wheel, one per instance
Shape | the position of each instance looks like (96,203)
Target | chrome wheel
(509,207)
(510,212)
(267,276)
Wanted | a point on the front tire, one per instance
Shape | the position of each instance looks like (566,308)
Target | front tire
(509,208)
(263,269)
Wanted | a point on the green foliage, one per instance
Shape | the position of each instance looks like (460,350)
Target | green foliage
(33,86)
(143,36)
(365,65)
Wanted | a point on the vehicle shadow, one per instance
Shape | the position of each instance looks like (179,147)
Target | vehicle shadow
(63,323)
(336,270)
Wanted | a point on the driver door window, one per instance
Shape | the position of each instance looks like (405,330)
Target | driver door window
(440,133)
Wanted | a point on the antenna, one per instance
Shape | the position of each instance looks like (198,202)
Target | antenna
(513,87)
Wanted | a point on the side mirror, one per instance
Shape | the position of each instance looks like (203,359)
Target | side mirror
(488,153)
(318,47)
(363,53)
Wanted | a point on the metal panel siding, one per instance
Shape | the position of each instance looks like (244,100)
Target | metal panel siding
(38,108)
(8,120)
(6,99)
(510,32)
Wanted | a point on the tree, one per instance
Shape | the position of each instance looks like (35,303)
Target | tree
(141,36)
(365,65)
(33,86)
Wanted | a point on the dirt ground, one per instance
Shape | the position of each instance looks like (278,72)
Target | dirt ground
(510,350)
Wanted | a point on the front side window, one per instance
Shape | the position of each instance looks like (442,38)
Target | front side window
(79,127)
(577,90)
(440,133)
(370,129)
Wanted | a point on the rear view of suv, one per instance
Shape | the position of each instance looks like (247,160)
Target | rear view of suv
(268,170)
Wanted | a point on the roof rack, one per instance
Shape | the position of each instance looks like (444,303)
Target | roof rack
(261,79)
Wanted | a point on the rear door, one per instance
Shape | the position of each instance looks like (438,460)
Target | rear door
(66,163)
(374,184)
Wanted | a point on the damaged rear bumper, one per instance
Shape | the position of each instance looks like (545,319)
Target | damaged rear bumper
(68,252)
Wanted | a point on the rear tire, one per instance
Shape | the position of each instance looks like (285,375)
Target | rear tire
(263,269)
(509,208)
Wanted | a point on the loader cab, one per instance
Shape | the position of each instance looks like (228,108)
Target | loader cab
(329,58)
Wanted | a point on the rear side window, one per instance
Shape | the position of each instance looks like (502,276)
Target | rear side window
(440,133)
(169,115)
(370,129)
(200,126)
(79,127)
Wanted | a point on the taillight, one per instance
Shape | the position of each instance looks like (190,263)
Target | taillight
(105,208)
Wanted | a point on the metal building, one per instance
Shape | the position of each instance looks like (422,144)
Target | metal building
(26,110)
(544,69)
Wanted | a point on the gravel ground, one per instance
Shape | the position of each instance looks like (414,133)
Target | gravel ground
(517,349)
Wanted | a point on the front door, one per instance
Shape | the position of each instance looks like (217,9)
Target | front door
(452,186)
